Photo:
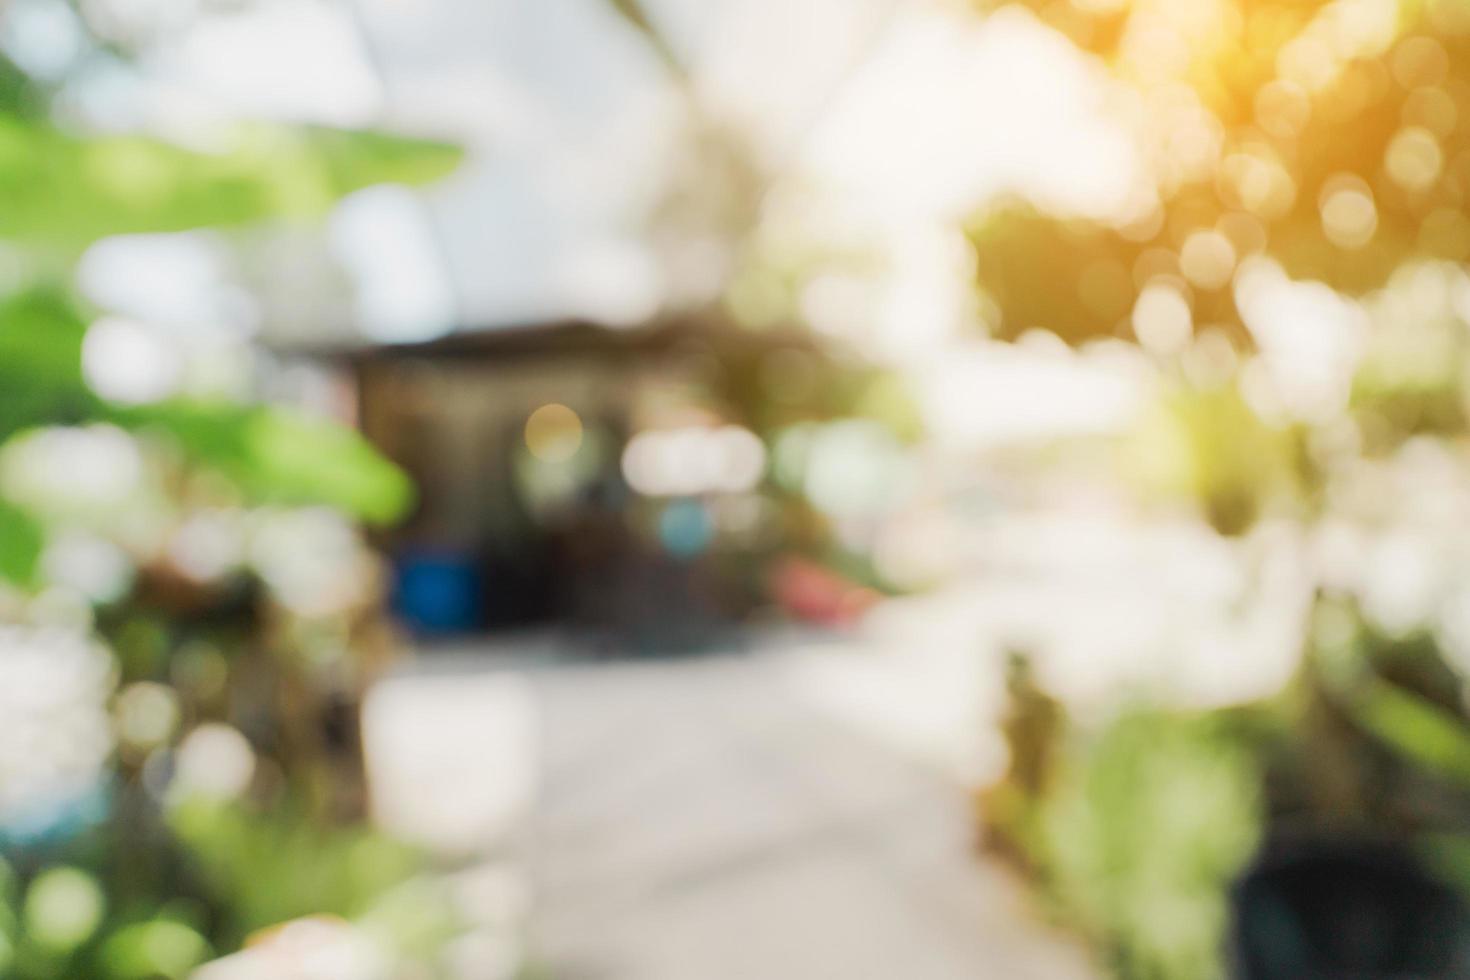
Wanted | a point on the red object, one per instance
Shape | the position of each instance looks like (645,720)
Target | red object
(814,593)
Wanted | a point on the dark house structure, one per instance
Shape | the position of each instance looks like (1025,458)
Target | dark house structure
(515,439)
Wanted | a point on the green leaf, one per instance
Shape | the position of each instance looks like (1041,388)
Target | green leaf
(281,456)
(311,460)
(21,541)
(157,948)
(65,191)
(41,363)
(264,868)
(1414,727)
(1141,833)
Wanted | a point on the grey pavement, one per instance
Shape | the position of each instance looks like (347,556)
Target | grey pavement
(696,821)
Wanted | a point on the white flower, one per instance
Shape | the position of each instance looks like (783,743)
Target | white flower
(312,560)
(55,737)
(214,760)
(90,472)
(209,544)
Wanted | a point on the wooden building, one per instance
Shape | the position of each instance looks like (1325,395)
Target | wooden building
(501,537)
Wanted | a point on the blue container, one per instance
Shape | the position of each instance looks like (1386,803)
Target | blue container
(439,592)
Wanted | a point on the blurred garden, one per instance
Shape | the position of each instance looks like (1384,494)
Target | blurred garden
(1115,350)
(1296,281)
(192,613)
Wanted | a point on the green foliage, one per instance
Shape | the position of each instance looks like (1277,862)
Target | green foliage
(1447,856)
(157,948)
(160,948)
(63,924)
(1400,693)
(1207,445)
(1351,130)
(41,362)
(60,191)
(267,868)
(280,456)
(275,454)
(21,541)
(65,191)
(300,459)
(773,381)
(1395,409)
(1424,734)
(124,905)
(19,93)
(1141,835)
(416,918)
(1079,278)
(1355,174)
(63,909)
(354,159)
(1411,381)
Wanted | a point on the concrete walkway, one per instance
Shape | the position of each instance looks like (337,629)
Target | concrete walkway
(697,821)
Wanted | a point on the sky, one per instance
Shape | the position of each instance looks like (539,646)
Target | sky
(905,115)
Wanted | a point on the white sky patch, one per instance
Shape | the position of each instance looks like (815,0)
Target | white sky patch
(616,281)
(573,125)
(298,60)
(572,63)
(570,125)
(952,110)
(773,65)
(383,237)
(908,115)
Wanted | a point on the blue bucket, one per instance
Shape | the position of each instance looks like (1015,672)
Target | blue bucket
(439,592)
